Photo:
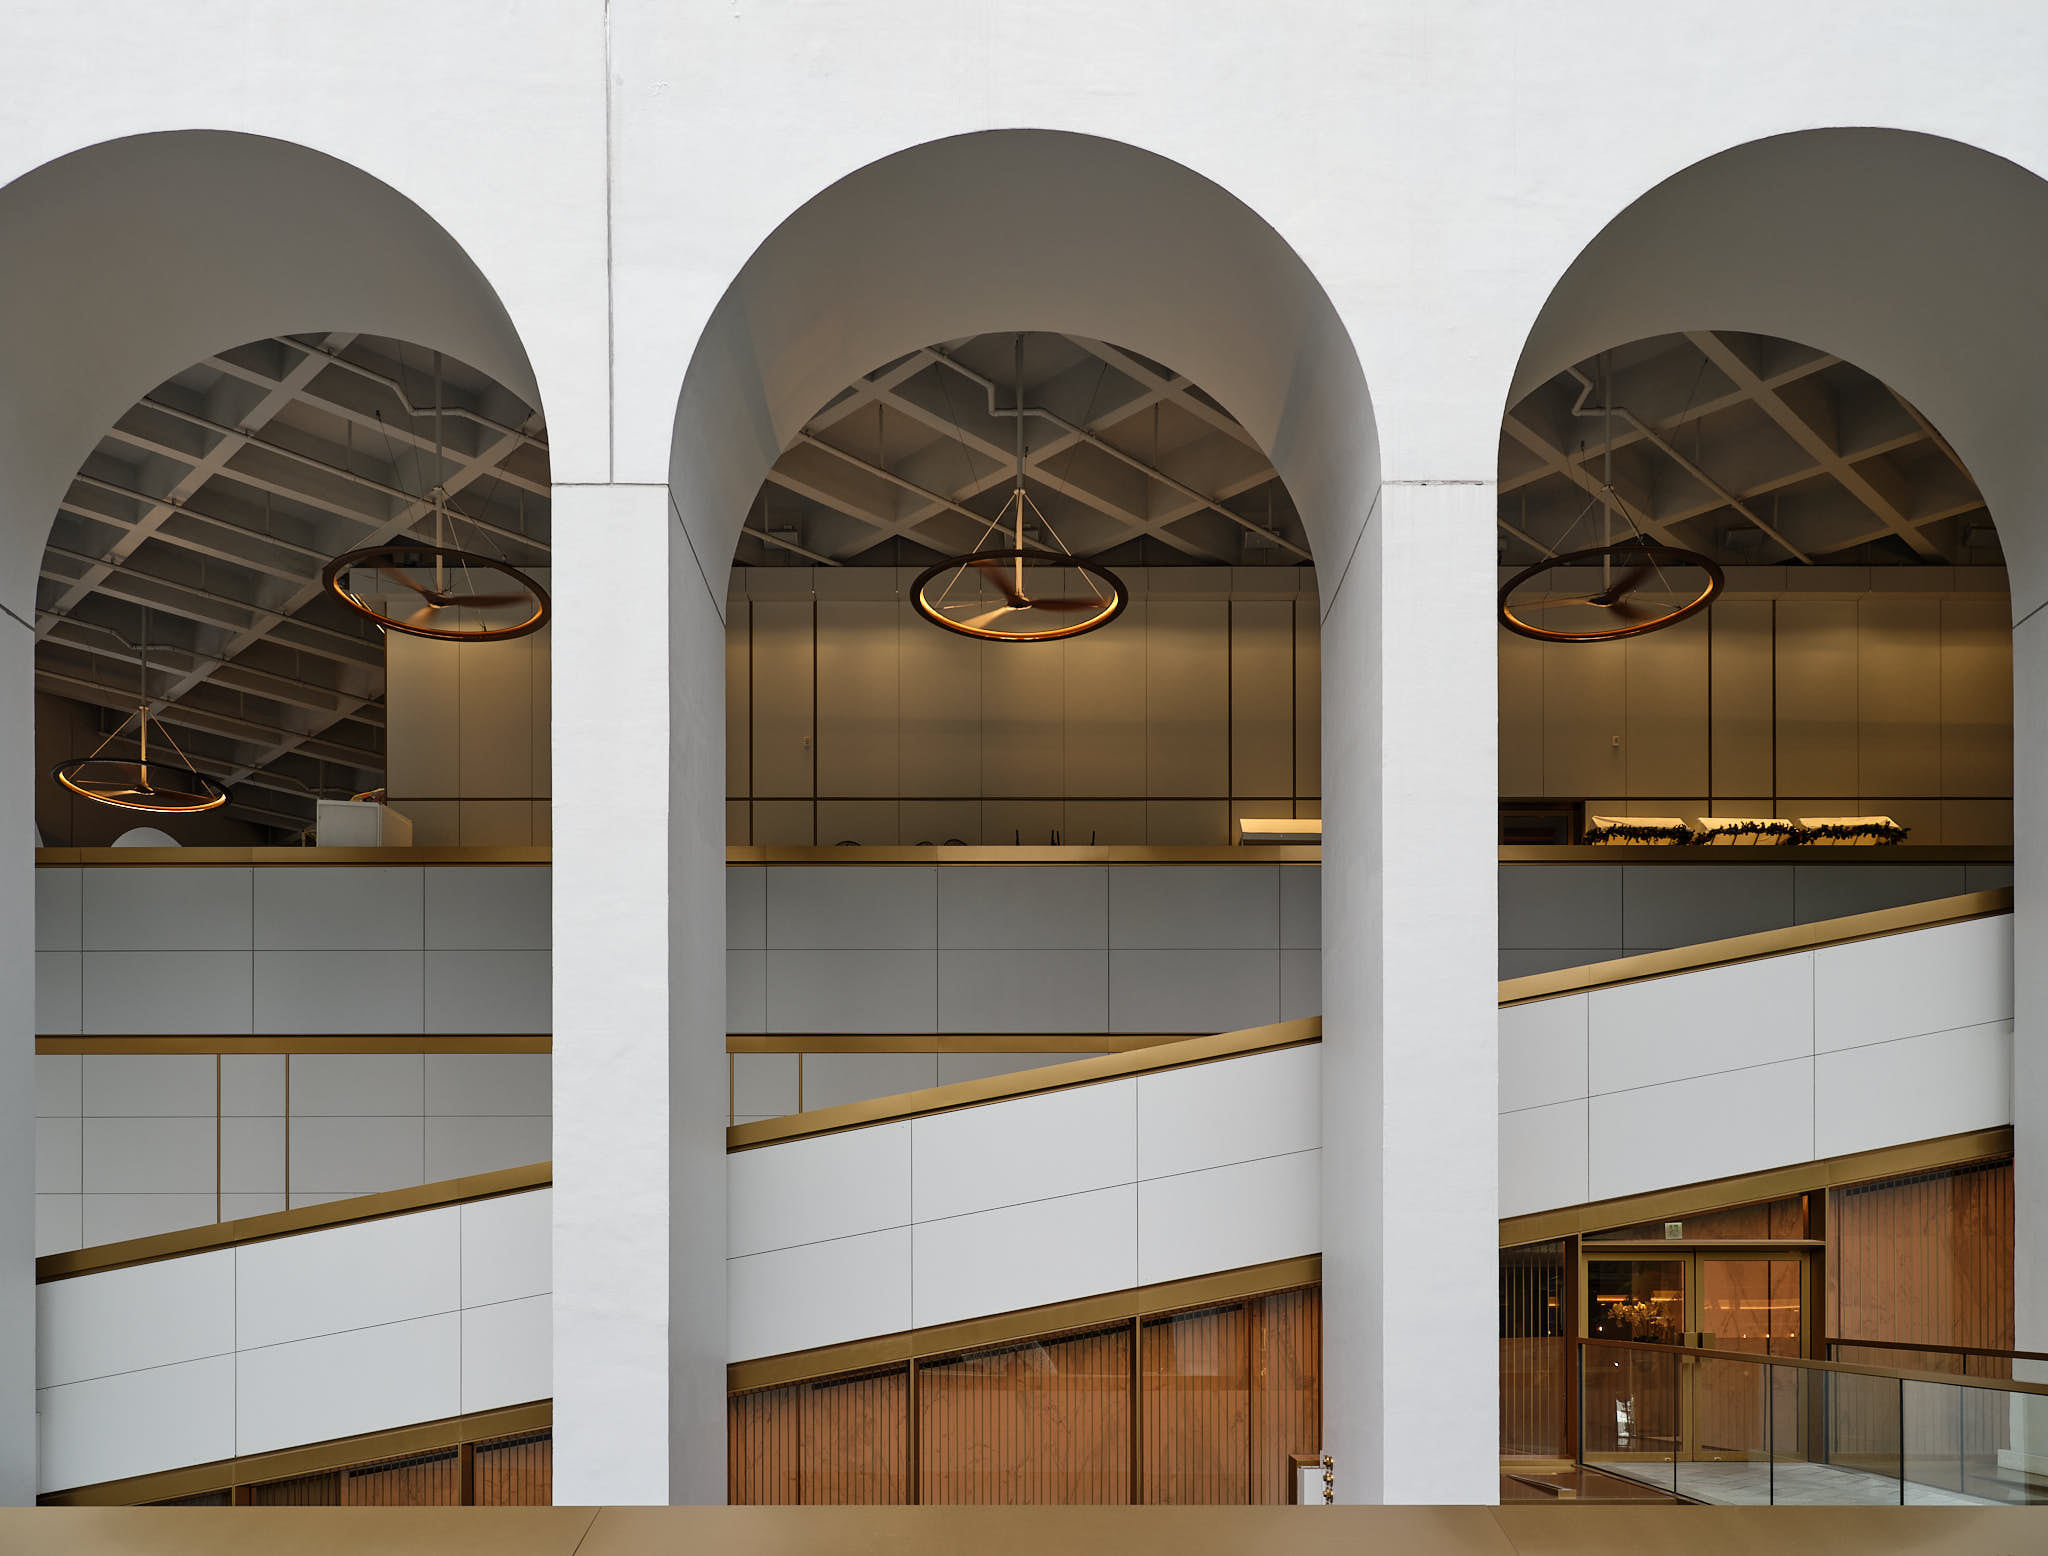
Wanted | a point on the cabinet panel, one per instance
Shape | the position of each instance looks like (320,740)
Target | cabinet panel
(1816,679)
(782,699)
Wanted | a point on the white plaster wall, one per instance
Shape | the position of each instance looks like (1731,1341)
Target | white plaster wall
(1014,1204)
(645,150)
(1761,1064)
(297,1340)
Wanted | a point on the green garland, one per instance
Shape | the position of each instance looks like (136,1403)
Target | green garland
(1790,833)
(1885,832)
(1629,832)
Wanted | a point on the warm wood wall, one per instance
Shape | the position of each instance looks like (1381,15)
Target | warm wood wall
(1812,703)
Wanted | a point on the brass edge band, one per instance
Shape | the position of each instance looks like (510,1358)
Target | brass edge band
(290,1223)
(998,1088)
(1748,1188)
(948,1042)
(1810,1364)
(1745,948)
(290,1463)
(322,1043)
(1030,853)
(1934,1350)
(1025,1323)
(92,858)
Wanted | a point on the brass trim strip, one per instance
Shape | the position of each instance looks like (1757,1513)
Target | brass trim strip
(92,858)
(1676,1204)
(324,1043)
(1000,1088)
(948,1042)
(1640,853)
(1030,854)
(1934,1350)
(1023,1324)
(1810,1364)
(1749,948)
(290,1223)
(289,1463)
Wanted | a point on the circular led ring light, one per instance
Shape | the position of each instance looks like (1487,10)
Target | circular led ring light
(394,561)
(134,785)
(1643,555)
(999,568)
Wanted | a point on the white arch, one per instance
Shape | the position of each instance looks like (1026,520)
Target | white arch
(1919,259)
(122,264)
(1013,229)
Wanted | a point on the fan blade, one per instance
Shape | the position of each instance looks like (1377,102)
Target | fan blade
(398,577)
(1063,605)
(1620,588)
(994,572)
(1628,612)
(984,618)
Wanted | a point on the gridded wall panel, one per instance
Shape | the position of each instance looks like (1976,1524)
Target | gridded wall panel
(1044,1422)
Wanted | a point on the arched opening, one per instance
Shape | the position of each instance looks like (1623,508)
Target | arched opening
(1758,362)
(925,248)
(211,254)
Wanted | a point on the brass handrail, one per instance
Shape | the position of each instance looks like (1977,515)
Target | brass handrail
(1811,1364)
(1937,1350)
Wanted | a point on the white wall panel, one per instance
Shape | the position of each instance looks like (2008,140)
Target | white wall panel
(252,1085)
(60,992)
(746,991)
(746,908)
(1062,1142)
(1543,1157)
(60,1223)
(333,991)
(1542,1052)
(1000,908)
(337,1385)
(1301,985)
(166,908)
(1023,991)
(375,1272)
(1193,991)
(148,1155)
(852,908)
(60,1085)
(60,910)
(315,908)
(1738,1122)
(488,991)
(166,991)
(1724,1018)
(1024,1255)
(764,1085)
(139,1085)
(1913,1088)
(818,1294)
(493,908)
(114,1218)
(1301,907)
(810,1191)
(1227,1217)
(1236,1110)
(1958,975)
(829,1080)
(114,1427)
(340,1156)
(503,1085)
(507,1354)
(462,1147)
(356,1085)
(251,1156)
(505,1248)
(148,1315)
(853,991)
(1180,906)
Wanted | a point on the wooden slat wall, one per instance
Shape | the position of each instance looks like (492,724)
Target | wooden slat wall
(1039,1423)
(1227,1393)
(516,1471)
(1533,1351)
(1925,1259)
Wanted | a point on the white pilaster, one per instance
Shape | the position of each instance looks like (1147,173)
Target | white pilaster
(2030,982)
(639,995)
(17,1070)
(1410,1223)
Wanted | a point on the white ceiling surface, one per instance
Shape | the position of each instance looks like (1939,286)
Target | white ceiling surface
(203,520)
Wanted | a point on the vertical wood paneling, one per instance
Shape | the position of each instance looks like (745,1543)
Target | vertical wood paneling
(516,1471)
(1308,702)
(858,709)
(1585,706)
(1898,696)
(1262,697)
(1533,1350)
(1039,1423)
(1665,685)
(1197,1436)
(1739,632)
(1287,1387)
(1976,698)
(1187,689)
(782,699)
(1817,672)
(1926,1259)
(1521,716)
(739,675)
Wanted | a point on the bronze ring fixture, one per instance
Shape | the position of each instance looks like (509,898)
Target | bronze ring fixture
(396,560)
(1009,619)
(1642,559)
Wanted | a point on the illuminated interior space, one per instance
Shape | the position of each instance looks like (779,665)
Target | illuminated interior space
(816,777)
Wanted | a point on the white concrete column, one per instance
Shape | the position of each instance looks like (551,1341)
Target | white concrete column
(2030,981)
(1410,1219)
(17,1067)
(639,1001)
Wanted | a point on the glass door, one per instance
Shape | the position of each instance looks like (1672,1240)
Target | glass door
(1753,1304)
(1632,1405)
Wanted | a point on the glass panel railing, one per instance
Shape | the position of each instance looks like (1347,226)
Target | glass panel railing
(1750,1430)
